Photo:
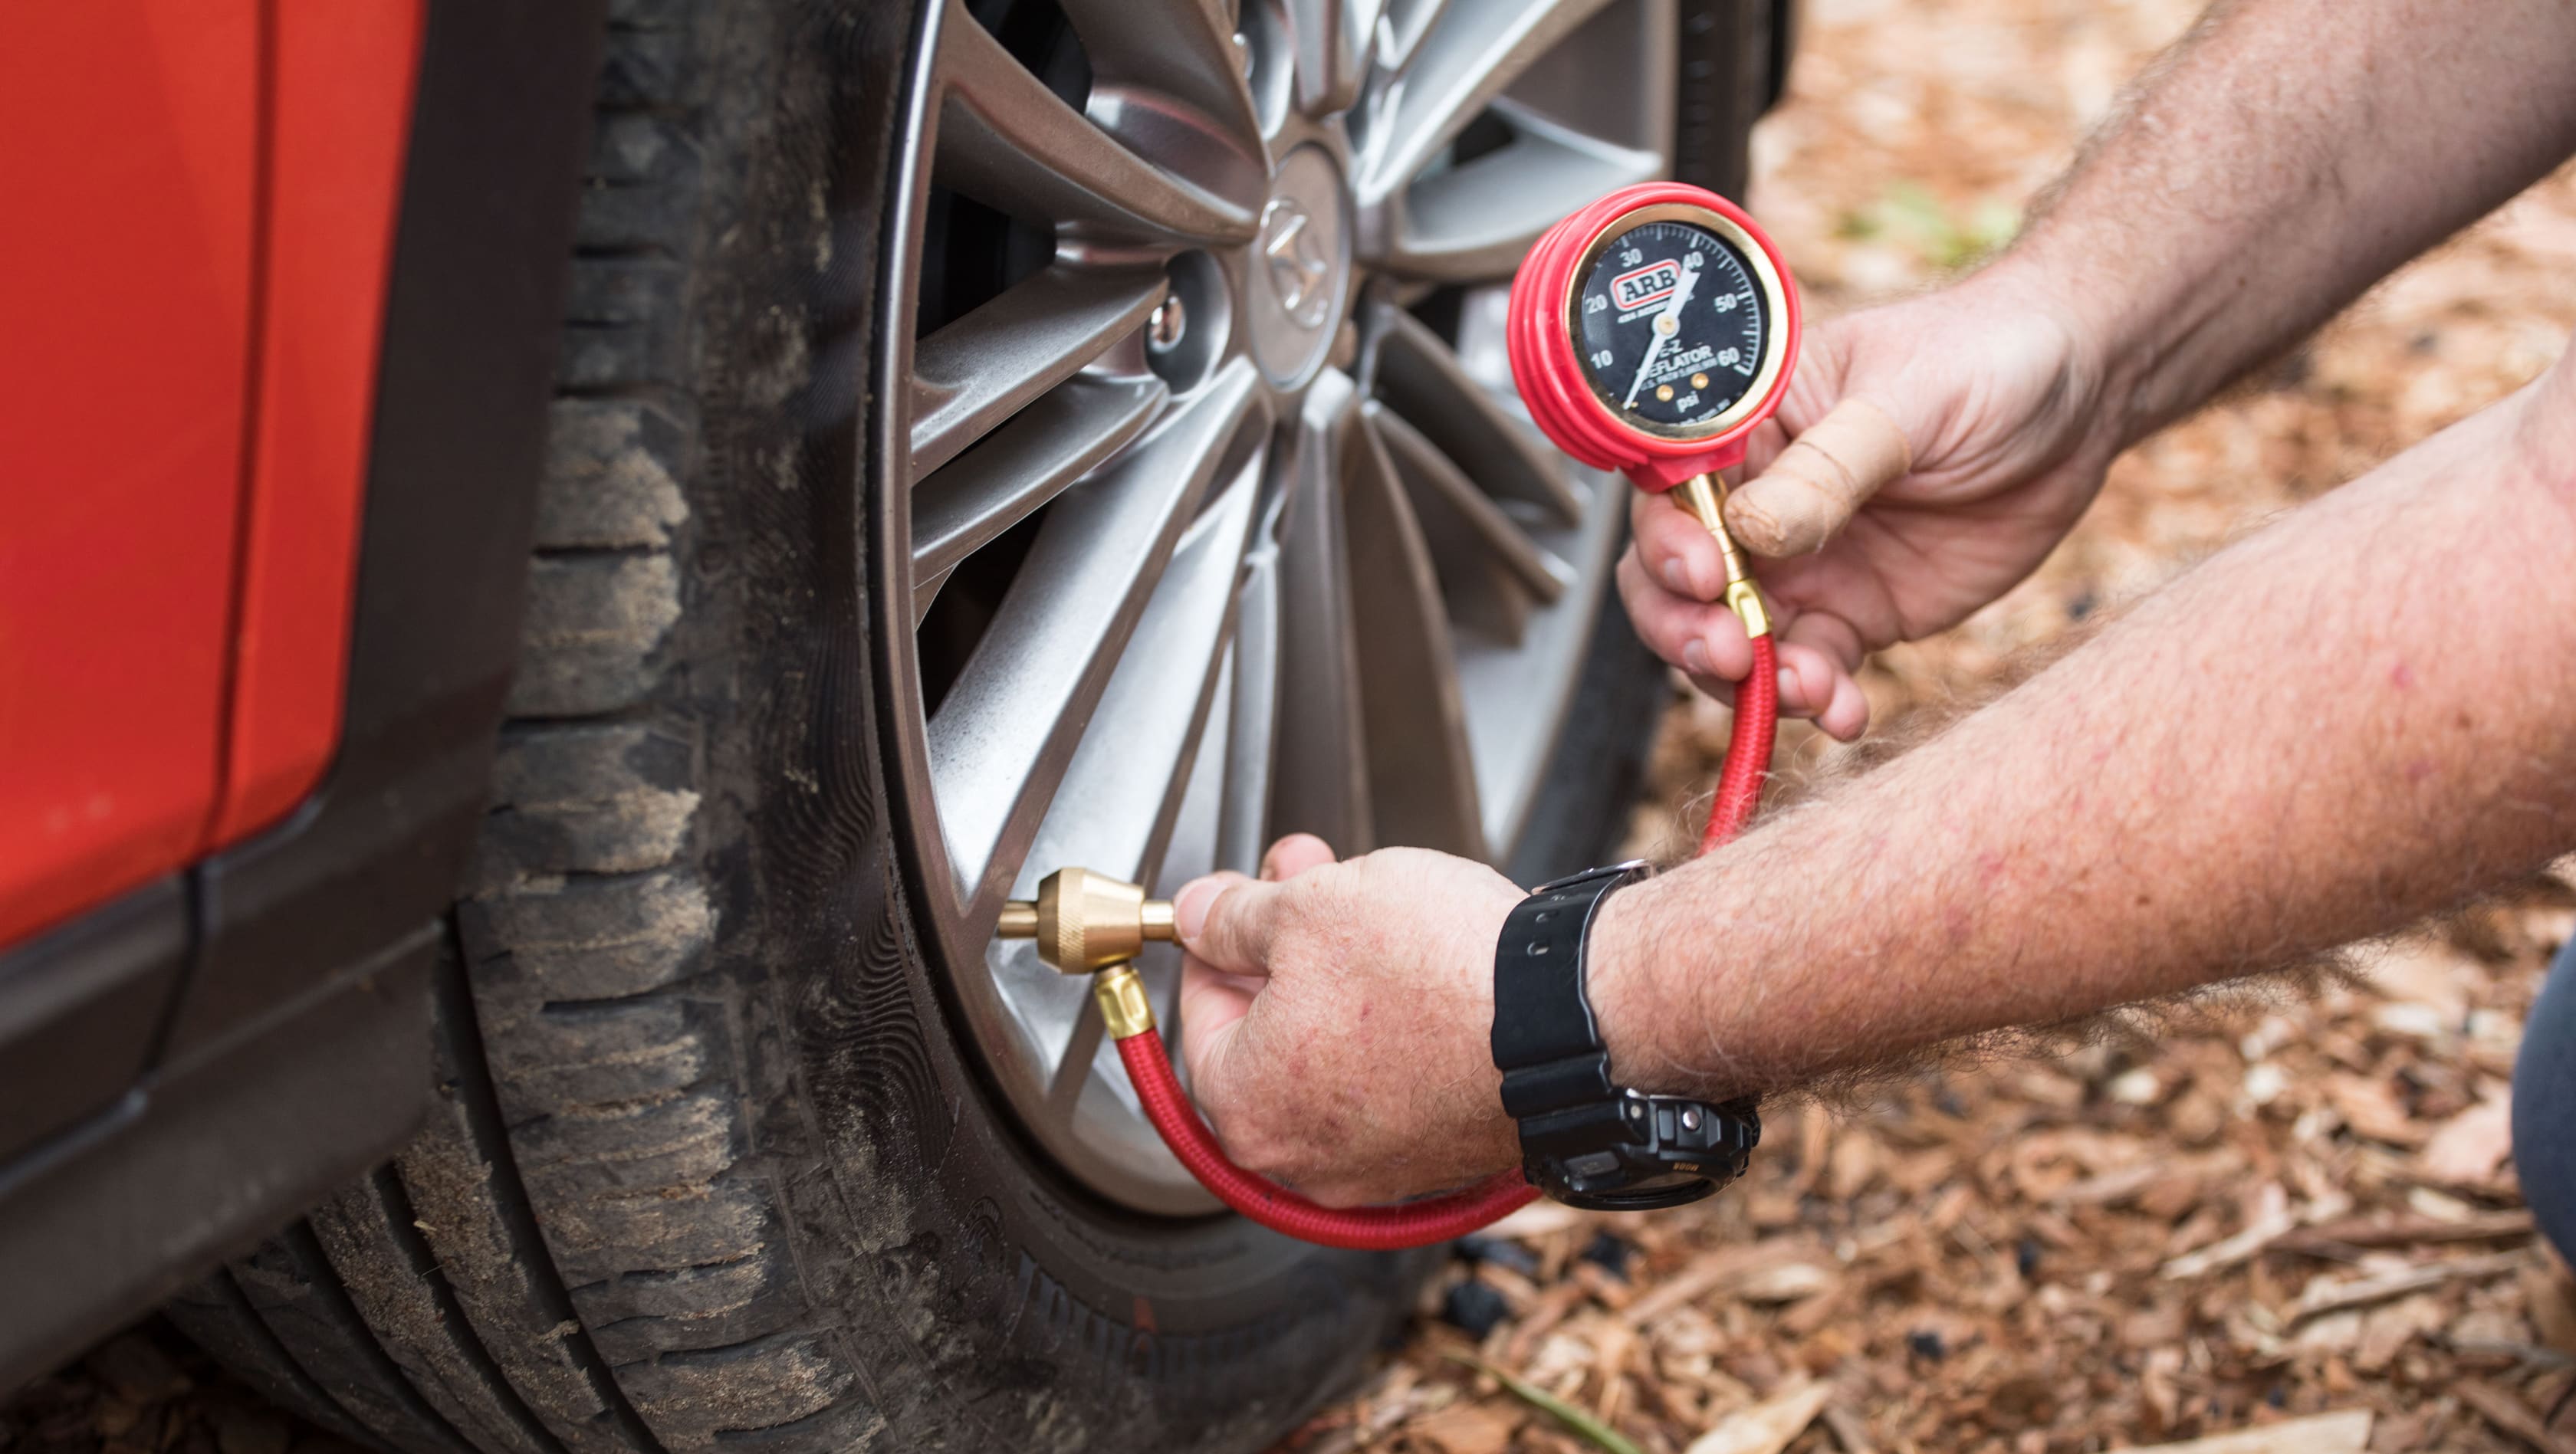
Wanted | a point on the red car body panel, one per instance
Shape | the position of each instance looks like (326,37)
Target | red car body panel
(341,103)
(203,196)
(123,383)
(285,291)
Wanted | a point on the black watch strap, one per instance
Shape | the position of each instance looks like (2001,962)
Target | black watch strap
(1546,1041)
(1586,1140)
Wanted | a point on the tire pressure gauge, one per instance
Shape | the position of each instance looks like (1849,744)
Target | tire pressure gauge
(1652,331)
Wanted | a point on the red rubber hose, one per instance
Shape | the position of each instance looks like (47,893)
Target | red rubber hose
(1455,1214)
(1748,748)
(1364,1229)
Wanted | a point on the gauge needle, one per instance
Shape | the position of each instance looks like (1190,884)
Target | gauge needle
(1667,323)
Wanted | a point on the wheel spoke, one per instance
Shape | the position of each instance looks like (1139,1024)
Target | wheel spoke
(1332,39)
(1400,29)
(1466,59)
(1002,738)
(1121,796)
(1073,1059)
(1115,807)
(1510,744)
(980,370)
(1061,436)
(1252,720)
(1476,221)
(1184,49)
(1009,142)
(1490,571)
(1321,783)
(1422,379)
(1421,771)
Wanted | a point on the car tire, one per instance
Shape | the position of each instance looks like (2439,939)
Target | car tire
(710,1161)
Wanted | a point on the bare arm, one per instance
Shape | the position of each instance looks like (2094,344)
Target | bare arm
(2269,168)
(2280,160)
(2363,713)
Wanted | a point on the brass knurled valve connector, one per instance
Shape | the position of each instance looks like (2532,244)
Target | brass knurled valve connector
(1704,496)
(1090,923)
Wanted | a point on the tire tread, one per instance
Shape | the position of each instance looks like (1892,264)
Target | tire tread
(576,1256)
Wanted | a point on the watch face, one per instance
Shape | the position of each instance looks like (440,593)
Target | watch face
(1672,326)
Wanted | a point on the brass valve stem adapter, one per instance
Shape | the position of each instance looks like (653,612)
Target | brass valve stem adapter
(1704,496)
(1090,923)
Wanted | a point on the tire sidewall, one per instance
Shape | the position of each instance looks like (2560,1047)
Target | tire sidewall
(987,1301)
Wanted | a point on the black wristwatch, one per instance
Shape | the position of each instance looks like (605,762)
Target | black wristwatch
(1586,1140)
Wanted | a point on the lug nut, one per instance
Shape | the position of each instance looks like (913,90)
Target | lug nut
(1163,332)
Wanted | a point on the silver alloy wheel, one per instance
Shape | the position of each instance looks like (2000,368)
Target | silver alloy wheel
(1291,560)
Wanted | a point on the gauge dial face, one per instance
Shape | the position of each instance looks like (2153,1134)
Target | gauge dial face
(1672,326)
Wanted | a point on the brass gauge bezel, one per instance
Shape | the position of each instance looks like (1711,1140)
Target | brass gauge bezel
(1775,297)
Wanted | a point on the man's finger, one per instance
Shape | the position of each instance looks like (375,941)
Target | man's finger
(1847,715)
(1674,549)
(1819,480)
(1806,679)
(1213,1005)
(1702,639)
(1293,855)
(1824,653)
(1224,922)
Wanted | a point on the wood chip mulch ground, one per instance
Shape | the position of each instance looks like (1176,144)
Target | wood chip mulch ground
(2288,1226)
(147,1390)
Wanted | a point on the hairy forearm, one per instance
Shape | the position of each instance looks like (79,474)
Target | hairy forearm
(2279,160)
(2362,713)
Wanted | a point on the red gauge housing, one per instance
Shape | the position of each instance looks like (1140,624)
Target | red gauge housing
(1561,393)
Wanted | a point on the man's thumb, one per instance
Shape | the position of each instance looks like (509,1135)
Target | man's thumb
(1224,921)
(1819,480)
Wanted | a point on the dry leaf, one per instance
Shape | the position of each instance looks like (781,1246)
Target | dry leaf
(2347,1432)
(2234,1249)
(2386,1331)
(2337,1332)
(2333,1238)
(1767,1427)
(1704,1275)
(1468,1428)
(2551,1295)
(2470,1146)
(2371,1109)
(2421,973)
(1786,1282)
(2325,1294)
(1852,1164)
(2500,1408)
(1848,1429)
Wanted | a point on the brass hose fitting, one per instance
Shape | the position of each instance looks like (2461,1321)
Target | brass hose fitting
(1090,923)
(1124,1010)
(1704,496)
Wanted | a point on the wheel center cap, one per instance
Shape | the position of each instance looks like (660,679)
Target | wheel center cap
(1300,267)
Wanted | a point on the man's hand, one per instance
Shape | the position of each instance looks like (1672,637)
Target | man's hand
(2000,401)
(1336,1019)
(2213,223)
